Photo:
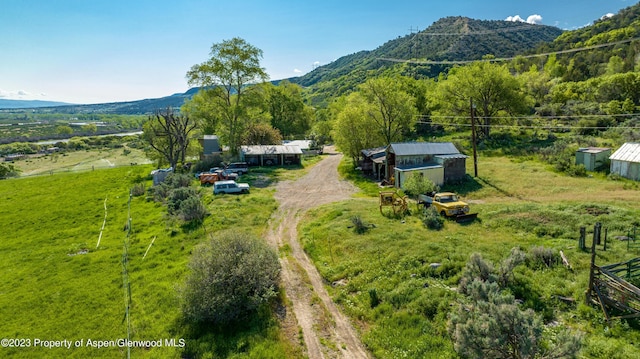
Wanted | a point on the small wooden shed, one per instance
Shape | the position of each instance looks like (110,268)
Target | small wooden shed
(373,161)
(625,162)
(593,158)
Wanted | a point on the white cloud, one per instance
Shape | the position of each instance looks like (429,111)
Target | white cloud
(606,16)
(297,71)
(531,19)
(19,95)
(534,19)
(516,18)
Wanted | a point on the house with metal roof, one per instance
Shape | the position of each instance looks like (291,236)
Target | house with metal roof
(625,162)
(271,155)
(441,162)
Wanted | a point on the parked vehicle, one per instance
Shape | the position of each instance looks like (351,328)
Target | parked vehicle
(238,167)
(448,205)
(216,175)
(230,187)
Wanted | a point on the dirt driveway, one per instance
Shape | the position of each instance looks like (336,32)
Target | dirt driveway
(327,332)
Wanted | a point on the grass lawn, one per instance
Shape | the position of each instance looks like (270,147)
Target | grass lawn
(74,161)
(520,204)
(59,284)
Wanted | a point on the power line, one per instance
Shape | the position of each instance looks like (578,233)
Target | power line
(529,126)
(460,62)
(536,117)
(480,32)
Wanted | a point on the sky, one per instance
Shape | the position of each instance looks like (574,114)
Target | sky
(98,51)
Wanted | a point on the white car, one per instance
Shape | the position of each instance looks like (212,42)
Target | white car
(230,187)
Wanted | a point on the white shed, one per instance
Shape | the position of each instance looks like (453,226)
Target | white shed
(434,172)
(625,162)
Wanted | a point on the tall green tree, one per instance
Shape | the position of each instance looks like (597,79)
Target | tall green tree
(233,66)
(352,130)
(392,111)
(289,114)
(261,134)
(494,91)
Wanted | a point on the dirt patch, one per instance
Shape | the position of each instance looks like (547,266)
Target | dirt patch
(326,331)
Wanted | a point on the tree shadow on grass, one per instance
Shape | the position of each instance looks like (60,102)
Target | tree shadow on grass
(205,340)
(473,184)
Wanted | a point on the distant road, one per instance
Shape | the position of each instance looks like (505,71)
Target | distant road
(51,142)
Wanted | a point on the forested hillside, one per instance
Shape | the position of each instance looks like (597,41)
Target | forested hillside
(617,36)
(448,39)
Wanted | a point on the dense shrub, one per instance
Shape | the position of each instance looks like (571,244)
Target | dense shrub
(192,209)
(490,324)
(231,276)
(8,170)
(416,184)
(542,257)
(176,180)
(182,200)
(179,195)
(138,189)
(432,219)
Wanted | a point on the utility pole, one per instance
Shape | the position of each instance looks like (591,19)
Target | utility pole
(473,138)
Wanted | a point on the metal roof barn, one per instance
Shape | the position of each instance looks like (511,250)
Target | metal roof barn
(625,162)
(270,155)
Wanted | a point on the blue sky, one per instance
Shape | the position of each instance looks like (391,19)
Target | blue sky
(94,51)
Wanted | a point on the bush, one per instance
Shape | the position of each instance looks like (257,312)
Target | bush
(432,219)
(177,180)
(231,276)
(541,257)
(179,195)
(192,209)
(8,170)
(490,324)
(359,226)
(417,183)
(138,189)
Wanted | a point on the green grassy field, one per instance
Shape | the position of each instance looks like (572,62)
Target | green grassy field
(520,204)
(74,161)
(58,284)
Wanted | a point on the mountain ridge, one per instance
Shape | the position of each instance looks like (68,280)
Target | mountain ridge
(456,38)
(6,104)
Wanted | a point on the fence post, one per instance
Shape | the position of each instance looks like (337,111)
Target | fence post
(583,234)
(592,268)
(596,232)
